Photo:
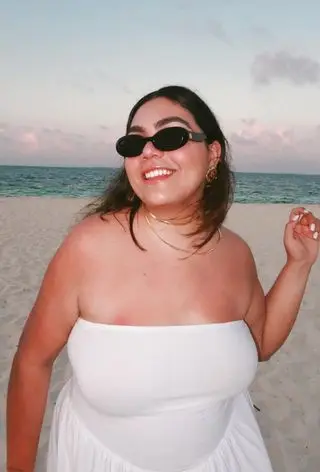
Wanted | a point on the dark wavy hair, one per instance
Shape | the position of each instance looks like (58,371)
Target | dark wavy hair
(217,195)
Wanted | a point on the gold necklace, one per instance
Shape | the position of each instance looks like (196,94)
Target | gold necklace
(188,251)
(163,240)
(170,221)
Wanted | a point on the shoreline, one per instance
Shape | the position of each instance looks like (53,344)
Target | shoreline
(85,200)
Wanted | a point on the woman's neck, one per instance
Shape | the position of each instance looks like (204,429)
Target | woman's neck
(175,230)
(187,216)
(172,229)
(179,221)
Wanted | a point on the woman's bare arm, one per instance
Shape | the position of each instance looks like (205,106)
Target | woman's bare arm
(272,317)
(45,333)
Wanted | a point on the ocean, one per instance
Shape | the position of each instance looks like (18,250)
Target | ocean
(89,182)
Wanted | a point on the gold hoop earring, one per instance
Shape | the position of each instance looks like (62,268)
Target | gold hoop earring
(211,174)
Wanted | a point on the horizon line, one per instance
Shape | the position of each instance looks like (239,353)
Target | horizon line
(119,167)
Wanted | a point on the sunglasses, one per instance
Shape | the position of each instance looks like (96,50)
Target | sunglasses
(167,139)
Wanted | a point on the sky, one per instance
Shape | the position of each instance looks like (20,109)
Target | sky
(72,69)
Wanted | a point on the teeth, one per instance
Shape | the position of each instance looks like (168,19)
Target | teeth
(157,173)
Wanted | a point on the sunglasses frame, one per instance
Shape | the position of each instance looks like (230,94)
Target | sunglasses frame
(191,135)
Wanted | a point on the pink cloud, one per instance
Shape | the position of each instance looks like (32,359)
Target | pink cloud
(52,146)
(29,141)
(256,146)
(261,134)
(265,146)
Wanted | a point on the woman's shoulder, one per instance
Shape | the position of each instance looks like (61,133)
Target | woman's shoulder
(89,233)
(233,237)
(237,247)
(98,223)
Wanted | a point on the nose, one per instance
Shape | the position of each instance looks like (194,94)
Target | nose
(150,150)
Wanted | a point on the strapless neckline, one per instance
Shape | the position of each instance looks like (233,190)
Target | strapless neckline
(195,326)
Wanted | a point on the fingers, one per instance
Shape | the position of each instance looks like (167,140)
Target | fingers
(305,223)
(301,214)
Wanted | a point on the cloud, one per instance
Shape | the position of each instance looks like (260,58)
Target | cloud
(3,127)
(195,26)
(218,31)
(53,146)
(256,146)
(265,148)
(29,141)
(299,70)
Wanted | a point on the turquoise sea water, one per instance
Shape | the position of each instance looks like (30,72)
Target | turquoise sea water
(88,182)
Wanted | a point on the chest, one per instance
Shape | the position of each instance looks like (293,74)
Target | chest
(137,288)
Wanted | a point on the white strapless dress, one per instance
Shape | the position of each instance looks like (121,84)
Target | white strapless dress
(158,399)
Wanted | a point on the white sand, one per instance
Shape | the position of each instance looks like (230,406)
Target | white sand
(287,388)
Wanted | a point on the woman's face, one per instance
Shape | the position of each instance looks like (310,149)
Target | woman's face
(168,178)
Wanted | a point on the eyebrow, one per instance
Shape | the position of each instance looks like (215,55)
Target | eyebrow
(162,122)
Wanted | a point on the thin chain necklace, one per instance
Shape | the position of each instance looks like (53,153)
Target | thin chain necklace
(170,221)
(190,253)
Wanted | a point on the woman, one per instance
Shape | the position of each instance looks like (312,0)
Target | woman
(163,335)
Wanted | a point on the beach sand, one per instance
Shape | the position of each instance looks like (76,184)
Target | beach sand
(287,388)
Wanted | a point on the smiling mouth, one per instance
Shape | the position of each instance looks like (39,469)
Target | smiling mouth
(157,173)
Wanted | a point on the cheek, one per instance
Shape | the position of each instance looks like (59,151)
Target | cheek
(194,161)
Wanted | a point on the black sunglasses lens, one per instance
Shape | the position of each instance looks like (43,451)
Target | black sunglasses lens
(169,139)
(130,145)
